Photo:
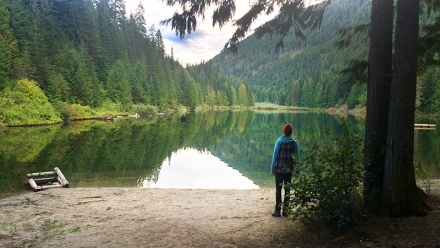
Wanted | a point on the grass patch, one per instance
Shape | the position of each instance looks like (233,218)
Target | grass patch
(3,226)
(54,225)
(76,229)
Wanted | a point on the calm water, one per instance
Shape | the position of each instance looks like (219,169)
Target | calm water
(192,169)
(216,149)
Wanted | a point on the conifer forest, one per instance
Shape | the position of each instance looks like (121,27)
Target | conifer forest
(62,58)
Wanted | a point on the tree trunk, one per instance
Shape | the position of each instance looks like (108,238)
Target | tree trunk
(378,92)
(400,195)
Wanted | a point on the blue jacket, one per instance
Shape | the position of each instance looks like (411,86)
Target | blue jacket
(279,159)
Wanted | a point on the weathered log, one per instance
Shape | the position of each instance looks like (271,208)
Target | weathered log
(41,174)
(33,184)
(50,186)
(424,126)
(45,180)
(61,179)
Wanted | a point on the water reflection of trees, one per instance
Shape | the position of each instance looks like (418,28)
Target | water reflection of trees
(101,154)
(250,152)
(426,156)
(127,151)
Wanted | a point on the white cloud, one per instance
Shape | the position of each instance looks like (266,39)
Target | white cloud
(203,44)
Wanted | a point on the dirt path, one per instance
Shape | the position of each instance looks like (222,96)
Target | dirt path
(136,217)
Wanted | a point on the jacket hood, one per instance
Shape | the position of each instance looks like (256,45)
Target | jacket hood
(286,139)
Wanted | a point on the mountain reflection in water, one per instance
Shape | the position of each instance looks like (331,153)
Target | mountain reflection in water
(192,169)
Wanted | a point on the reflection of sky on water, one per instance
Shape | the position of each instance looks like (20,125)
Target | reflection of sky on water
(189,168)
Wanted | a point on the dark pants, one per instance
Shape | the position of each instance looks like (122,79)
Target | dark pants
(282,178)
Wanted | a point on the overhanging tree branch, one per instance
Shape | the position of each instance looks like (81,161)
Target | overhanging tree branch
(292,15)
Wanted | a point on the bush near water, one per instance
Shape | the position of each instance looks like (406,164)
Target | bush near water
(327,187)
(26,103)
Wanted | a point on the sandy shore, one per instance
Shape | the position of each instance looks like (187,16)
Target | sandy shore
(142,217)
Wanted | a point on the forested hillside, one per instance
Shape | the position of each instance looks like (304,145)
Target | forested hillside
(62,58)
(306,73)
(91,53)
(219,89)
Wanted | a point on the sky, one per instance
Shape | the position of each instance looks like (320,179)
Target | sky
(201,45)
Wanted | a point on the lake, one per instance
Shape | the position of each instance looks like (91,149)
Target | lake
(212,150)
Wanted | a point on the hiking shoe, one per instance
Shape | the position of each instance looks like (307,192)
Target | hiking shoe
(285,214)
(276,213)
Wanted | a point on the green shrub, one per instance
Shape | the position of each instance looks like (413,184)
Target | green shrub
(63,108)
(145,110)
(80,111)
(110,107)
(26,104)
(327,187)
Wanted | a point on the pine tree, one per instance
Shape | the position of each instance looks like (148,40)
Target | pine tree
(80,78)
(79,21)
(296,93)
(5,64)
(8,45)
(107,32)
(307,97)
(430,84)
(317,93)
(242,95)
(159,43)
(117,8)
(233,96)
(139,18)
(118,88)
(138,81)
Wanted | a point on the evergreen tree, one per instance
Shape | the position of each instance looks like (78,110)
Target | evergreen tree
(159,43)
(140,88)
(8,45)
(5,64)
(139,18)
(118,88)
(79,21)
(38,40)
(242,95)
(400,195)
(307,97)
(117,8)
(210,97)
(108,31)
(353,98)
(78,78)
(430,84)
(378,91)
(318,95)
(296,93)
(194,94)
(233,96)
(249,95)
